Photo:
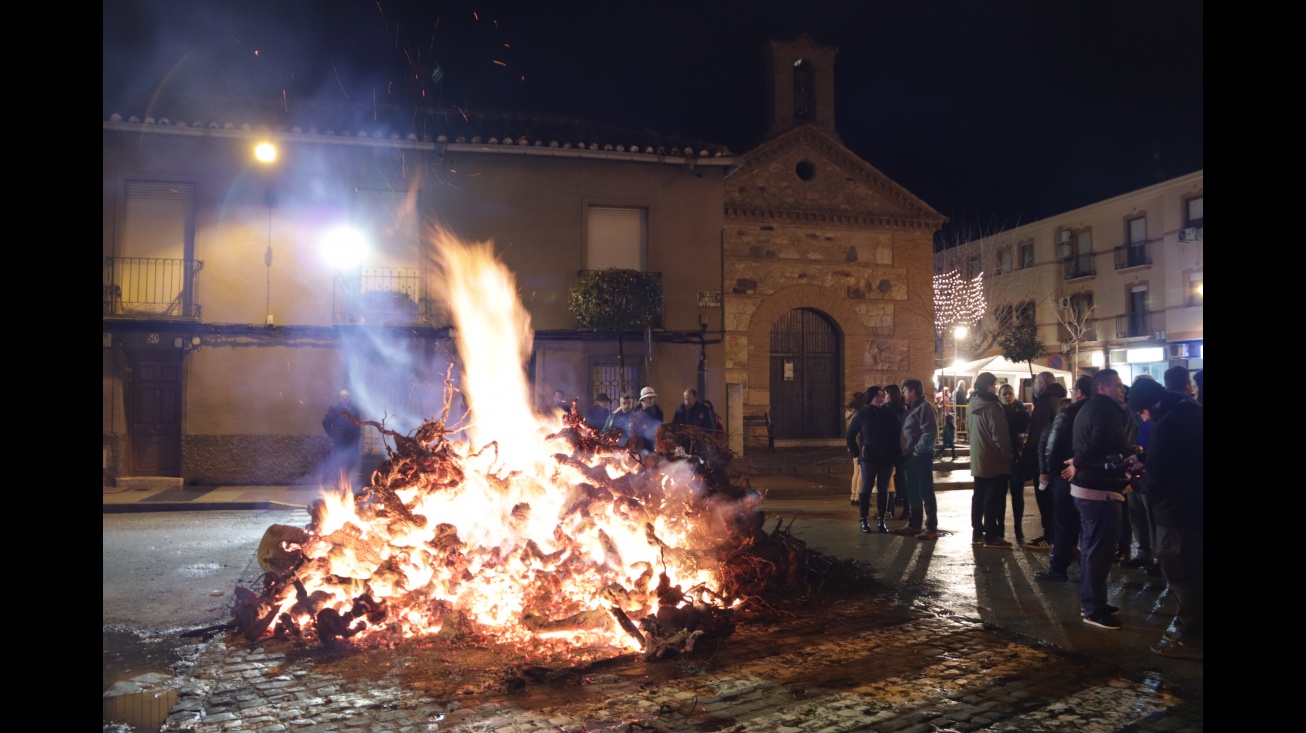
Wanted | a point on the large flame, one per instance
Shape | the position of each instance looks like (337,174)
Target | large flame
(516,534)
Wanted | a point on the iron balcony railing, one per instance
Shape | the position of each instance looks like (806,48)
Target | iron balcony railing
(152,287)
(1132,255)
(1080,266)
(1131,325)
(381,295)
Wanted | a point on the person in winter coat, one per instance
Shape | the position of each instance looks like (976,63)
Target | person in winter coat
(920,428)
(1048,393)
(1018,425)
(622,418)
(898,487)
(1103,458)
(873,439)
(1057,450)
(990,462)
(1173,482)
(340,425)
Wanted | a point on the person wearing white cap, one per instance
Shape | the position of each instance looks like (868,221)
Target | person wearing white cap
(650,417)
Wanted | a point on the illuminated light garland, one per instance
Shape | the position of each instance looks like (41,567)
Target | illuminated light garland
(957,300)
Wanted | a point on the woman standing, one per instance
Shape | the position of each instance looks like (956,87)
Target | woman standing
(898,407)
(852,408)
(1018,422)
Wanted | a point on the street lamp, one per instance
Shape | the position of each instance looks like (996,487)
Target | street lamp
(266,154)
(958,334)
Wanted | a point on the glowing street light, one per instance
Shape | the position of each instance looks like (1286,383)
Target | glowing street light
(265,152)
(958,334)
(343,247)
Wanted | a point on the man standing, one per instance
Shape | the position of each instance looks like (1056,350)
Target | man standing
(919,430)
(1098,489)
(622,419)
(693,412)
(877,429)
(1048,393)
(597,415)
(340,424)
(990,463)
(1173,483)
(647,418)
(1056,450)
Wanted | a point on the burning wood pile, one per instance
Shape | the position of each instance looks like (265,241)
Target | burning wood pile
(549,537)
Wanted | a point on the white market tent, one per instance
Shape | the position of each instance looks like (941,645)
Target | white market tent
(1007,371)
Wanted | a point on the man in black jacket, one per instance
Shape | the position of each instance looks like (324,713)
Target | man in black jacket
(1057,448)
(341,424)
(1172,481)
(1048,393)
(877,429)
(1103,455)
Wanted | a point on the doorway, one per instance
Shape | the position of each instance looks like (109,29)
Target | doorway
(805,368)
(154,413)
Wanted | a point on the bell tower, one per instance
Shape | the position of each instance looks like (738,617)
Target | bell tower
(800,89)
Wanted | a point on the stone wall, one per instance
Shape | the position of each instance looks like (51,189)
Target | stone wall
(253,460)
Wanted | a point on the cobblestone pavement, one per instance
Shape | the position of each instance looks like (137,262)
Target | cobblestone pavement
(856,664)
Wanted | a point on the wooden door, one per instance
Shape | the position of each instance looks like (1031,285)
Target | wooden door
(805,384)
(155,415)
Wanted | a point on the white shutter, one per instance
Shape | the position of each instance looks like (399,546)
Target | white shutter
(616,237)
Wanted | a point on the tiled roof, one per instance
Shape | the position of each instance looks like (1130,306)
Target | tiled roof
(430,125)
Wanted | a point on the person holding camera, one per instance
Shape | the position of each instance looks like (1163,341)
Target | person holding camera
(1103,458)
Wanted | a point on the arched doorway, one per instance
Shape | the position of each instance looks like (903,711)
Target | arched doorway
(805,369)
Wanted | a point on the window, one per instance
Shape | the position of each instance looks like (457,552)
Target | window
(1019,314)
(973,267)
(1004,260)
(1137,231)
(1026,255)
(606,377)
(1194,288)
(804,94)
(1194,212)
(616,237)
(1085,242)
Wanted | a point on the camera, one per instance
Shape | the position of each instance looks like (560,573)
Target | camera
(1117,461)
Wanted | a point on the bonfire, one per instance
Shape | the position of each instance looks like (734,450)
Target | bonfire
(529,529)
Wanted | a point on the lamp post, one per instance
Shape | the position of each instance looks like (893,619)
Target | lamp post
(266,154)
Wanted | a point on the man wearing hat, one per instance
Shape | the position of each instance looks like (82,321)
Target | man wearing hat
(649,417)
(1172,481)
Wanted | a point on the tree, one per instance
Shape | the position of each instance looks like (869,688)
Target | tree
(1021,342)
(614,301)
(1077,319)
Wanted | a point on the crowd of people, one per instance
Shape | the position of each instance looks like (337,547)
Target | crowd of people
(1103,452)
(637,417)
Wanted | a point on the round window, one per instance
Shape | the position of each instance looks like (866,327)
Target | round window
(805,169)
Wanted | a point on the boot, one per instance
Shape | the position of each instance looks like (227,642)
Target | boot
(879,525)
(866,526)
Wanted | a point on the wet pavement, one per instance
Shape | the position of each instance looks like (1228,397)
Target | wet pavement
(958,637)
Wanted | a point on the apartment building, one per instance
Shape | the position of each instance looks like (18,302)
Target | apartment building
(1117,283)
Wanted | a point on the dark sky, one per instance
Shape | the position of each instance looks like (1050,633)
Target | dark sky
(996,113)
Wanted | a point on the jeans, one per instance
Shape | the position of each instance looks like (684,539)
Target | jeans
(1016,484)
(1065,537)
(988,505)
(1099,527)
(920,493)
(1140,523)
(1179,552)
(1047,511)
(876,473)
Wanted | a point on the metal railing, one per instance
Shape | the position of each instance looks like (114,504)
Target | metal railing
(153,287)
(1080,266)
(381,295)
(1131,325)
(1132,255)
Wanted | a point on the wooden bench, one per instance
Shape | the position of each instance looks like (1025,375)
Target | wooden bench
(763,421)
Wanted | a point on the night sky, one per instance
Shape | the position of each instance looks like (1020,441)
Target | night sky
(995,113)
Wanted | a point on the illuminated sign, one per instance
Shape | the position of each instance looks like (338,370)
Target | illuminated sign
(1137,356)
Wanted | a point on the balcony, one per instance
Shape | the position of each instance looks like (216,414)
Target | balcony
(1080,266)
(1133,325)
(381,295)
(1133,255)
(151,287)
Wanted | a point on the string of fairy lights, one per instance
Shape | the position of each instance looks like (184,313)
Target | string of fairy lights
(957,300)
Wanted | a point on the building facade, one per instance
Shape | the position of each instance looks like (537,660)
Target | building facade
(791,275)
(1118,283)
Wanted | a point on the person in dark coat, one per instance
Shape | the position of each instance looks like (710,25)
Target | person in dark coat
(341,427)
(622,419)
(693,412)
(1018,428)
(1057,449)
(1173,482)
(873,438)
(597,415)
(1103,458)
(1048,393)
